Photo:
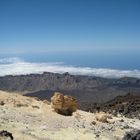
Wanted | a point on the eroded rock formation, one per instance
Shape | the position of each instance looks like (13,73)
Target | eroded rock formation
(64,104)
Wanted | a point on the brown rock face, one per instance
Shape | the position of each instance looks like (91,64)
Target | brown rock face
(64,104)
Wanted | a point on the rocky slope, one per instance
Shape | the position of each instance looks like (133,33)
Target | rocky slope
(84,88)
(128,105)
(31,119)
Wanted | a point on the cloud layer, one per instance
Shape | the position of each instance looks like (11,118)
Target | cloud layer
(16,66)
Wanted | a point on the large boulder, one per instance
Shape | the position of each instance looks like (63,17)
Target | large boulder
(64,104)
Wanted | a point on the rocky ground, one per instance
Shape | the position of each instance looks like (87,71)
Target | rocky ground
(31,119)
(128,106)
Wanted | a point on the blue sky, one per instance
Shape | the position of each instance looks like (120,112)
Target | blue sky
(104,27)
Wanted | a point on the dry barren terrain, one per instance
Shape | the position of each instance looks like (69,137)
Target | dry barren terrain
(31,119)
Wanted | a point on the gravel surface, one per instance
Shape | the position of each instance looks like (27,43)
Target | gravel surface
(29,119)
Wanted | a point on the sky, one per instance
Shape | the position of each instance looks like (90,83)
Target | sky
(94,33)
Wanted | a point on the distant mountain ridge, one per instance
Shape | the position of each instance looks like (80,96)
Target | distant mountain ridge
(84,88)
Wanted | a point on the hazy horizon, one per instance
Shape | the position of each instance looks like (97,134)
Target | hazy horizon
(18,66)
(80,33)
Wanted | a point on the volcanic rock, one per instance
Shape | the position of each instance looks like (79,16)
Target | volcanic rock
(63,104)
(132,135)
(5,135)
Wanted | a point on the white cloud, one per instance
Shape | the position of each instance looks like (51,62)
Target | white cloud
(16,66)
(10,60)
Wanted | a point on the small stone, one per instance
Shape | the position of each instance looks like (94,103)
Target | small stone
(97,136)
(126,127)
(93,123)
(2,103)
(121,120)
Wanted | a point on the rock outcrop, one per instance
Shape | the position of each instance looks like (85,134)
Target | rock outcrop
(5,135)
(64,104)
(132,135)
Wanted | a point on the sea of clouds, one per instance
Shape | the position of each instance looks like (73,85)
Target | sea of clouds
(17,66)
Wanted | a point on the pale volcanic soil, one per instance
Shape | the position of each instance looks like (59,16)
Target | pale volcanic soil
(31,119)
